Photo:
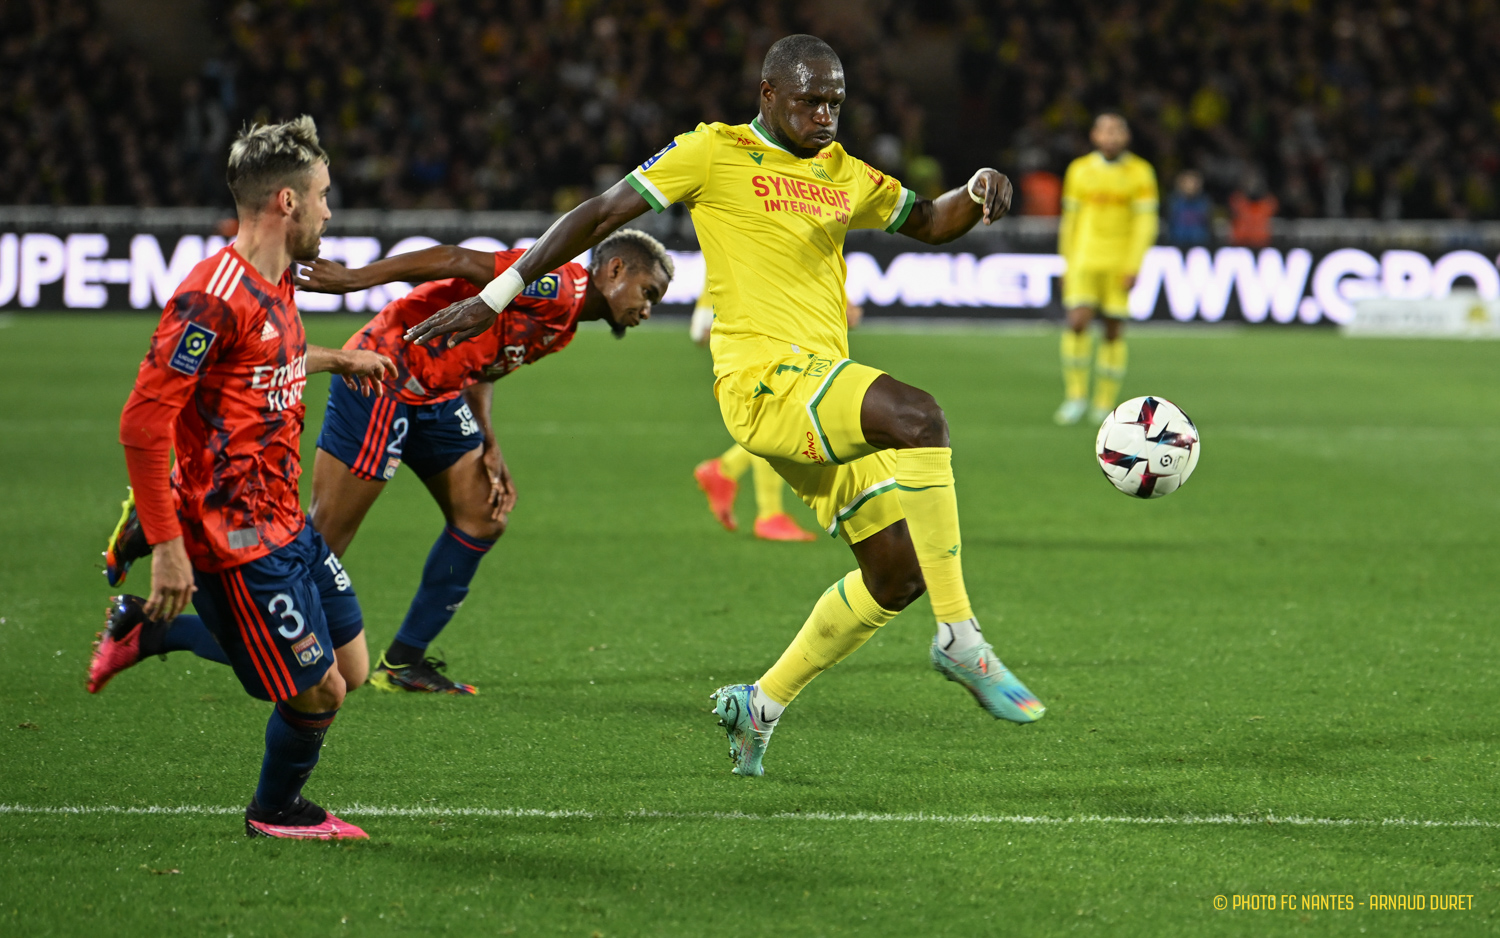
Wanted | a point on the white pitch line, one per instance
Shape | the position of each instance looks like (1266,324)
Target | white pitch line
(363,810)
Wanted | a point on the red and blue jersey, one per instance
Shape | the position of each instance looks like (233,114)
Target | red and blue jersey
(229,357)
(542,320)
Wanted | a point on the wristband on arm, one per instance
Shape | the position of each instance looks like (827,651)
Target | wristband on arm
(977,197)
(498,293)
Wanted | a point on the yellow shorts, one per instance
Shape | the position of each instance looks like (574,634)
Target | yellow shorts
(801,413)
(1102,290)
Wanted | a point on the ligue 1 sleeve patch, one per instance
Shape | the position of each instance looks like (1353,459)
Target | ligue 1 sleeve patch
(545,287)
(308,651)
(192,348)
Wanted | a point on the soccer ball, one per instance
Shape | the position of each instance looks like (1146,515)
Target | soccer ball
(1147,447)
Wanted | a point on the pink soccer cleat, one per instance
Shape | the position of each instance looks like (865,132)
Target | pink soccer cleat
(119,646)
(720,490)
(781,528)
(302,821)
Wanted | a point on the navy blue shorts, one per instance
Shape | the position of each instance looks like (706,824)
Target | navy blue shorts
(279,618)
(374,435)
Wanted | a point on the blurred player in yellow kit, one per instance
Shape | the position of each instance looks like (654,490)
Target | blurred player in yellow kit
(720,478)
(772,201)
(1109,209)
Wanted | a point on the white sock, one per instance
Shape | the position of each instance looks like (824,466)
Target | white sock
(766,710)
(958,637)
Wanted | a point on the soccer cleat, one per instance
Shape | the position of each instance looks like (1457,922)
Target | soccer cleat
(748,735)
(1097,414)
(720,490)
(991,683)
(1070,412)
(302,821)
(119,646)
(127,543)
(781,528)
(425,677)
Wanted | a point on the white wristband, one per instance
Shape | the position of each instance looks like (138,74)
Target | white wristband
(498,293)
(970,187)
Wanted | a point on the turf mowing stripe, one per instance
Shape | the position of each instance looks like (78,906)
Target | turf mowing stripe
(360,810)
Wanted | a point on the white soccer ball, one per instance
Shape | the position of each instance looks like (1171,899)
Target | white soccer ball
(1147,447)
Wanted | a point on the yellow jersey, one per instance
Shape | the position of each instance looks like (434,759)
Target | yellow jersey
(1108,213)
(772,230)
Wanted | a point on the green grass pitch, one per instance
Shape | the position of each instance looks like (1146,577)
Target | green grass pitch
(1306,631)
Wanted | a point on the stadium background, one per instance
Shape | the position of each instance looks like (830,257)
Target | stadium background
(1373,127)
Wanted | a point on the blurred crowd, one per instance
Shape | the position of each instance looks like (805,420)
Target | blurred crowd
(82,122)
(1379,109)
(1248,108)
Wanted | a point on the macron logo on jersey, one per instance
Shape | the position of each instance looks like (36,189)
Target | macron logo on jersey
(191,348)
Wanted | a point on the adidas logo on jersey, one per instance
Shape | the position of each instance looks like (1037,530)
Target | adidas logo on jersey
(268,332)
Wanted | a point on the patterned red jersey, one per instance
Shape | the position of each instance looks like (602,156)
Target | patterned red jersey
(540,321)
(231,353)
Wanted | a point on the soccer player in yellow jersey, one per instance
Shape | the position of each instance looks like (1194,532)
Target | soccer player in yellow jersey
(1108,221)
(772,201)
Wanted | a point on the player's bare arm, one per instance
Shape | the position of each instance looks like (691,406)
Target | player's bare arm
(361,369)
(569,236)
(986,197)
(502,488)
(435,263)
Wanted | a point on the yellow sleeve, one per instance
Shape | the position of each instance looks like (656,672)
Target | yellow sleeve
(677,173)
(1143,221)
(1068,223)
(880,201)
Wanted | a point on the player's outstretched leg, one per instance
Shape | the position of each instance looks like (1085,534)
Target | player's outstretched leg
(462,491)
(843,619)
(772,523)
(904,418)
(129,638)
(127,543)
(719,480)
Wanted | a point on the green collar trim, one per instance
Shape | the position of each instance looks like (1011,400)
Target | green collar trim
(760,131)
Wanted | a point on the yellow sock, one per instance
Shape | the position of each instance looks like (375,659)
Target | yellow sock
(735,462)
(768,488)
(1077,352)
(844,619)
(1109,373)
(924,482)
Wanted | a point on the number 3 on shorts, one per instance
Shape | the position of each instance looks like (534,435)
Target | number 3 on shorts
(281,605)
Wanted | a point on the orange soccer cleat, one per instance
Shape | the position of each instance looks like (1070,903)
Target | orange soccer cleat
(781,528)
(720,490)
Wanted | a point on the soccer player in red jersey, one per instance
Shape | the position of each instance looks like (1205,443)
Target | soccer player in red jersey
(221,385)
(434,414)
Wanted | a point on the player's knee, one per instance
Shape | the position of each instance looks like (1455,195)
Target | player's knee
(483,527)
(327,694)
(898,589)
(922,421)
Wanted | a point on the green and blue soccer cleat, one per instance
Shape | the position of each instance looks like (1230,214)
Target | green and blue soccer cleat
(997,690)
(748,735)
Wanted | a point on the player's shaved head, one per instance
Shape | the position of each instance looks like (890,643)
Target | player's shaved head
(267,158)
(801,91)
(793,60)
